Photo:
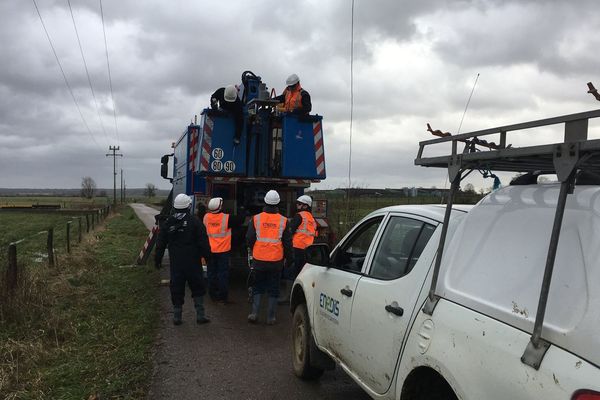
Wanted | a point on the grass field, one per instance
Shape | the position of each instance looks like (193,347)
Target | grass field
(64,202)
(30,231)
(86,327)
(344,214)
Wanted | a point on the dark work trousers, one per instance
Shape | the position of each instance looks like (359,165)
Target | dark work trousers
(179,276)
(267,281)
(218,276)
(299,261)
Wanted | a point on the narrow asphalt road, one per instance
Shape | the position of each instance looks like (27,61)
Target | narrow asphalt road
(229,358)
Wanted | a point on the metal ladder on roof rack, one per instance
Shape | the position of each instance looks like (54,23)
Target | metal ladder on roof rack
(564,159)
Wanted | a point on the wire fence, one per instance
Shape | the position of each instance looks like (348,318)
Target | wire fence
(41,248)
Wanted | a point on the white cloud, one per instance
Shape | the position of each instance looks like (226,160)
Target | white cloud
(415,62)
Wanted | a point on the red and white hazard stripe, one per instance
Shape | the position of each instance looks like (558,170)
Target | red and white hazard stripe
(206,143)
(319,152)
(153,232)
(273,180)
(193,149)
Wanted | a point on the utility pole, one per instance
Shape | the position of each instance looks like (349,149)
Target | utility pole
(114,156)
(121,186)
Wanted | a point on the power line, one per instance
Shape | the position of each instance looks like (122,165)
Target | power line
(87,73)
(351,112)
(467,105)
(63,74)
(351,93)
(109,75)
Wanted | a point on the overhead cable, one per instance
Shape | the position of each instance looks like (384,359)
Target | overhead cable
(87,73)
(64,76)
(109,74)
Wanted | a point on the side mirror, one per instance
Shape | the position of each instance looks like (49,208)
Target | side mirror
(164,166)
(318,254)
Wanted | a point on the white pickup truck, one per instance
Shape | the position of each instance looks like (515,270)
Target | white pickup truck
(511,310)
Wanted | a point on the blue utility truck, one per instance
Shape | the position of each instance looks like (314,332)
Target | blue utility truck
(277,150)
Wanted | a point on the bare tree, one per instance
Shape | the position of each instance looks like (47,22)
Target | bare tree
(88,187)
(469,188)
(150,190)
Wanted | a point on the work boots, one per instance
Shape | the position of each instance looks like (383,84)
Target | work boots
(253,316)
(271,310)
(284,295)
(199,305)
(177,311)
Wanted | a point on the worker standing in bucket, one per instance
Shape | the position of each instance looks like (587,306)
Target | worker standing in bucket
(295,99)
(227,99)
(185,236)
(270,240)
(303,228)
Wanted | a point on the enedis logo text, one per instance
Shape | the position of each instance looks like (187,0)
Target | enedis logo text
(329,304)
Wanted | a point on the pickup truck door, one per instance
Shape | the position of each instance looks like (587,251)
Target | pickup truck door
(386,296)
(335,288)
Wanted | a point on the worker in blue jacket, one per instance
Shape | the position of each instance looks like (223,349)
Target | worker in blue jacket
(185,236)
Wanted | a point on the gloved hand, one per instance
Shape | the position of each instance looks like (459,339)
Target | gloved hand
(214,103)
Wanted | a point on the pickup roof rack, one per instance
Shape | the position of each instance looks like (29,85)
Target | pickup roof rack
(575,154)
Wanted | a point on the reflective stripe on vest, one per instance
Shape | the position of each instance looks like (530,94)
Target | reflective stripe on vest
(293,99)
(219,236)
(269,231)
(306,232)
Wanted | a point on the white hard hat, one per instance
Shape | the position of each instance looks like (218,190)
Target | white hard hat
(215,204)
(182,201)
(292,80)
(230,94)
(305,199)
(272,198)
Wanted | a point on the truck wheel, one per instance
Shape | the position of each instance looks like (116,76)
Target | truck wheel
(301,341)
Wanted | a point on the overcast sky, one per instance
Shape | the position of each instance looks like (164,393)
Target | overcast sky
(414,62)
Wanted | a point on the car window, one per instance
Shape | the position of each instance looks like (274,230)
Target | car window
(352,253)
(402,243)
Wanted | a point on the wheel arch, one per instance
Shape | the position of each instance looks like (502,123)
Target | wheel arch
(297,297)
(425,382)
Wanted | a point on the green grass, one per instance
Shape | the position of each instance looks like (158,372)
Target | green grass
(30,230)
(64,202)
(343,215)
(92,330)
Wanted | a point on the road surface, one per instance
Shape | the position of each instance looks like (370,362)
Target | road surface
(229,358)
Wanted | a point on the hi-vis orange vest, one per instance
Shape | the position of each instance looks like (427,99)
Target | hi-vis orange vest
(219,236)
(306,232)
(269,231)
(293,99)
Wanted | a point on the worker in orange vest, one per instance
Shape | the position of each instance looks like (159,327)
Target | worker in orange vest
(295,99)
(270,241)
(218,227)
(303,228)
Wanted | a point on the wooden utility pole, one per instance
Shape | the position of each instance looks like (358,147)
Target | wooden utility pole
(114,156)
(121,185)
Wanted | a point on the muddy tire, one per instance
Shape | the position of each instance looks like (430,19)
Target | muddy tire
(301,342)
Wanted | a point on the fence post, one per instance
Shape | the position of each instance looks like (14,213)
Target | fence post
(68,236)
(11,272)
(87,223)
(79,231)
(50,245)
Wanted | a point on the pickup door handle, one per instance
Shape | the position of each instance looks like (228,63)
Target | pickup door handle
(394,310)
(346,292)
